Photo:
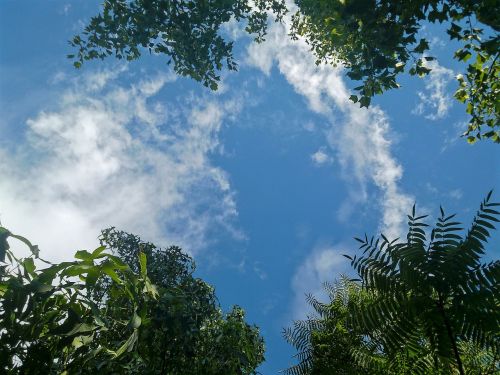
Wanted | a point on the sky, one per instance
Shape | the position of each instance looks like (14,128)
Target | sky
(264,182)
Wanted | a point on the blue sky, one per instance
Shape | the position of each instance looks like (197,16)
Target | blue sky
(265,182)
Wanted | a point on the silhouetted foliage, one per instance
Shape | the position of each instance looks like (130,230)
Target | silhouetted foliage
(420,307)
(187,331)
(378,40)
(48,322)
(187,31)
(101,313)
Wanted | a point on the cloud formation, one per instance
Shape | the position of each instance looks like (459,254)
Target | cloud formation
(113,155)
(359,138)
(435,101)
(321,157)
(323,265)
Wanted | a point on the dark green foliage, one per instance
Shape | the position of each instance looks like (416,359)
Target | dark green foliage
(4,245)
(326,342)
(420,306)
(378,40)
(187,31)
(49,325)
(333,342)
(102,314)
(186,331)
(437,290)
(375,40)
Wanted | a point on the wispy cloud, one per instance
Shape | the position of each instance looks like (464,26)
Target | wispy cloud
(359,138)
(435,101)
(113,155)
(321,157)
(323,265)
(65,10)
(456,194)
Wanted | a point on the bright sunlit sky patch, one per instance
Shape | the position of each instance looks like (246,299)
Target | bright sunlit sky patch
(264,182)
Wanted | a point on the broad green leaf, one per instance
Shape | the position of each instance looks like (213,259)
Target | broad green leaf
(83,254)
(80,328)
(127,345)
(143,263)
(108,268)
(98,252)
(29,266)
(82,340)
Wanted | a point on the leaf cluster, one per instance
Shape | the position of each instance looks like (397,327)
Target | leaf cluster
(128,307)
(325,340)
(426,305)
(48,323)
(186,331)
(187,31)
(378,40)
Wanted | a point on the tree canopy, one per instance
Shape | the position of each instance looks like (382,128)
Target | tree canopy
(420,306)
(187,31)
(375,40)
(187,333)
(378,40)
(327,341)
(102,313)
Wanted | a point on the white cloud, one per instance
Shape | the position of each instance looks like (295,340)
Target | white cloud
(436,42)
(324,264)
(309,126)
(261,56)
(453,134)
(65,9)
(321,157)
(456,194)
(234,29)
(257,269)
(115,157)
(431,188)
(435,102)
(359,138)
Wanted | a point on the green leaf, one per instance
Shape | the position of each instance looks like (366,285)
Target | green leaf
(97,253)
(80,328)
(364,101)
(83,340)
(77,269)
(143,263)
(83,254)
(150,288)
(399,65)
(109,269)
(29,266)
(40,287)
(127,345)
(422,46)
(91,277)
